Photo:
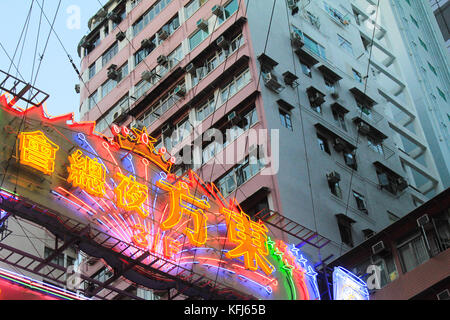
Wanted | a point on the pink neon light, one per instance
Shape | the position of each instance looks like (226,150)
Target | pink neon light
(64,190)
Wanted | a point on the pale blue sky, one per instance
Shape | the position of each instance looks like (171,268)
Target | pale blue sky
(56,76)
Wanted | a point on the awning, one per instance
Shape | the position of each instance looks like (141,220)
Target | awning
(267,61)
(362,96)
(306,57)
(339,108)
(336,134)
(386,169)
(374,132)
(329,74)
(344,218)
(312,90)
(285,105)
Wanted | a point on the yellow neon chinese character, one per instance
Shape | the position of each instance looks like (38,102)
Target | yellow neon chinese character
(171,247)
(250,238)
(37,151)
(86,173)
(131,194)
(181,199)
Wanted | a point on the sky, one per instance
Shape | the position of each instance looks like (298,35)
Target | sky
(56,76)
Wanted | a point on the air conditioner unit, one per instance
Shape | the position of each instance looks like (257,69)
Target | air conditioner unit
(222,42)
(335,95)
(148,76)
(167,130)
(217,10)
(163,34)
(317,99)
(402,184)
(364,128)
(147,44)
(190,68)
(114,17)
(77,88)
(444,295)
(112,72)
(85,43)
(234,118)
(297,40)
(202,24)
(180,91)
(120,116)
(378,248)
(162,60)
(334,177)
(120,36)
(339,145)
(271,82)
(423,220)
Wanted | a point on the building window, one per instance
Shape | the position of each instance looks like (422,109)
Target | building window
(360,202)
(345,230)
(229,9)
(414,21)
(335,189)
(350,159)
(432,68)
(122,14)
(357,76)
(306,70)
(339,117)
(239,175)
(365,109)
(59,259)
(169,28)
(142,53)
(423,44)
(345,44)
(92,100)
(197,38)
(285,118)
(442,94)
(149,16)
(375,145)
(110,53)
(181,131)
(235,85)
(323,143)
(412,253)
(206,109)
(92,71)
(192,7)
(388,270)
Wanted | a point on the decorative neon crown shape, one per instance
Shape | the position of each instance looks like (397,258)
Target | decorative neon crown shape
(138,141)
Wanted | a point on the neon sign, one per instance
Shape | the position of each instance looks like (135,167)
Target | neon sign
(347,286)
(124,186)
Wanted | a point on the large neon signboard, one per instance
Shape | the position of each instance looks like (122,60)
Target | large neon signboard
(124,186)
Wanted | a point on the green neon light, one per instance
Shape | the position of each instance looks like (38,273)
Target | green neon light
(285,268)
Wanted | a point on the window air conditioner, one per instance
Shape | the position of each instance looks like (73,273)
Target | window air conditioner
(339,145)
(148,76)
(217,10)
(334,177)
(378,248)
(77,88)
(114,17)
(180,91)
(162,60)
(222,42)
(113,74)
(364,128)
(296,40)
(167,130)
(190,68)
(147,44)
(271,82)
(402,184)
(423,220)
(317,99)
(202,24)
(444,295)
(120,36)
(163,34)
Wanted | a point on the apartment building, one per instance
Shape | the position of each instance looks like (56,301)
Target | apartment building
(425,63)
(353,155)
